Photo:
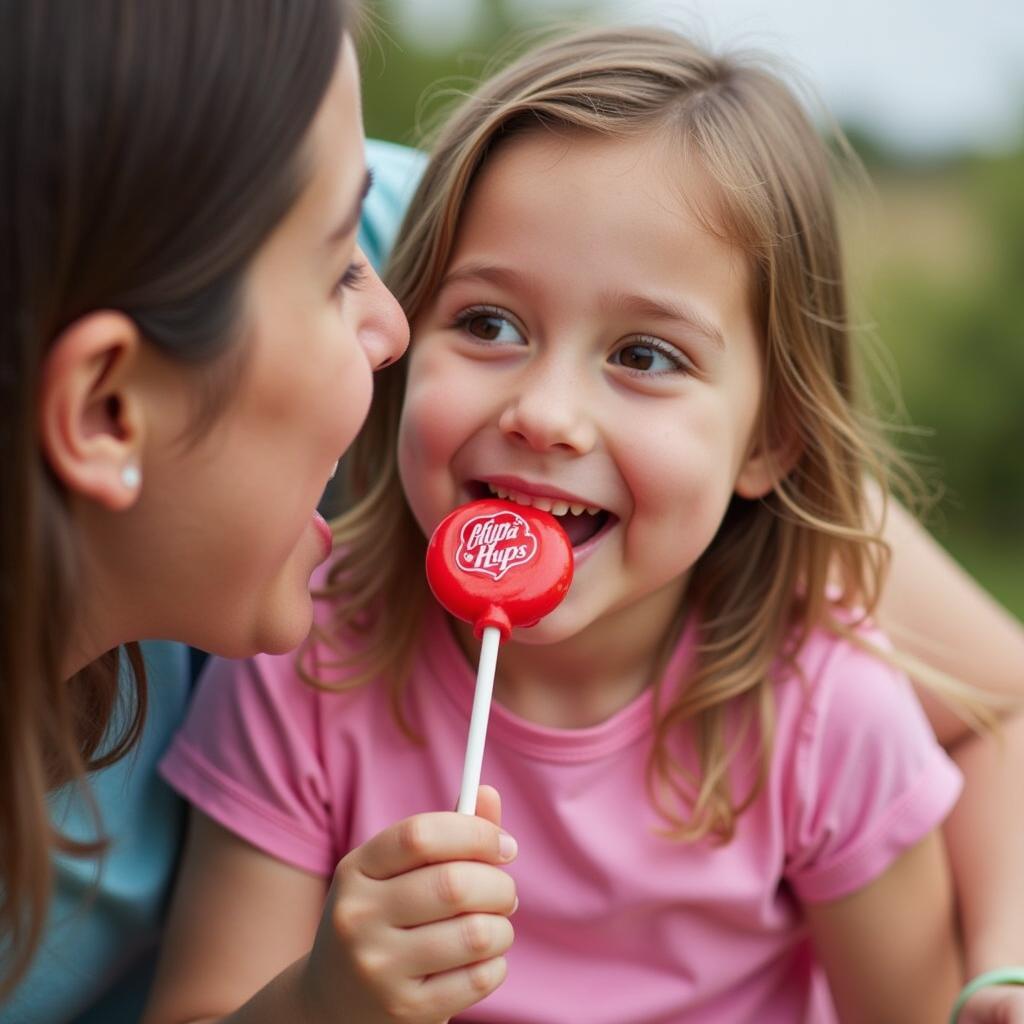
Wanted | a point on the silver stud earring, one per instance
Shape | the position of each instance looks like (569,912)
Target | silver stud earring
(131,476)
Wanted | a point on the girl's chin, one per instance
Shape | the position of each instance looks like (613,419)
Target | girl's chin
(555,628)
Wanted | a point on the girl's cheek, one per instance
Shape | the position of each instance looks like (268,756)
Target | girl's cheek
(435,418)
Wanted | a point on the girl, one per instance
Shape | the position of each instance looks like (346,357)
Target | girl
(625,288)
(183,361)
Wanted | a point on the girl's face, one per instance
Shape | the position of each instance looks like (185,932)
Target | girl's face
(226,535)
(592,348)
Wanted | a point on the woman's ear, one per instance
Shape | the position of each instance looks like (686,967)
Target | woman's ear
(767,463)
(91,419)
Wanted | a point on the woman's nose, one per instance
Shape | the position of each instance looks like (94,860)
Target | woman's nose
(550,411)
(383,329)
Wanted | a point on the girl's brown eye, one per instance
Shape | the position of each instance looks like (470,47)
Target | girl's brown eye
(486,327)
(650,357)
(637,357)
(490,327)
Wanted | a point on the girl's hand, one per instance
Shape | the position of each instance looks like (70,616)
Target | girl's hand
(1000,1004)
(416,922)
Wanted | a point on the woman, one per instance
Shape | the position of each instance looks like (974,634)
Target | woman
(188,341)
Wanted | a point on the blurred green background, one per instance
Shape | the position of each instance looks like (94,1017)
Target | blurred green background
(937,263)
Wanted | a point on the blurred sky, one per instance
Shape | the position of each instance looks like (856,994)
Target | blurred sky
(926,76)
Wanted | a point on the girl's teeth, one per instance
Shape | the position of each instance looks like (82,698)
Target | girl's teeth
(554,506)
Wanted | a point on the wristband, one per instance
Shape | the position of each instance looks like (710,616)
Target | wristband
(1000,976)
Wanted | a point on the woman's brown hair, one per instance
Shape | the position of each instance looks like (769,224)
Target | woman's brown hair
(778,567)
(149,148)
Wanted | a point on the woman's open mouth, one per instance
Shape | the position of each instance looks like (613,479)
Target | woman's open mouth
(582,523)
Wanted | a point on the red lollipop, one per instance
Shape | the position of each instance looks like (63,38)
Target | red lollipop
(496,565)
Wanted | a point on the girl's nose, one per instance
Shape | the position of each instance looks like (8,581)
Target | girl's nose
(549,414)
(383,329)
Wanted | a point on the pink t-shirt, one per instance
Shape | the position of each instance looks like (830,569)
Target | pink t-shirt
(615,924)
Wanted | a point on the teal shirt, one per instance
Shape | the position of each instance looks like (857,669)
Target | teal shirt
(99,949)
(396,173)
(105,914)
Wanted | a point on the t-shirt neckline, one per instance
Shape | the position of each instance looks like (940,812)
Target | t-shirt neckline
(453,675)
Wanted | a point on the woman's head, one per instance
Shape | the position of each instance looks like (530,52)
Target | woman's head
(733,160)
(179,221)
(179,195)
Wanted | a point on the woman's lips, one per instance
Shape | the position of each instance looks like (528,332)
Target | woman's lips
(324,533)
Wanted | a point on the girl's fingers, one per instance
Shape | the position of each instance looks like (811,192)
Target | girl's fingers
(446,946)
(441,891)
(459,989)
(488,804)
(430,839)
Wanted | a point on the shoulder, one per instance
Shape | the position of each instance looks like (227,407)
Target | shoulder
(102,934)
(847,677)
(396,173)
(863,777)
(392,164)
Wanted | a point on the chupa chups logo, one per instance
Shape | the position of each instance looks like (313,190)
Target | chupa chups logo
(495,543)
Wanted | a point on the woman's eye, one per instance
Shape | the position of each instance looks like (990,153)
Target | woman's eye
(355,274)
(490,326)
(650,357)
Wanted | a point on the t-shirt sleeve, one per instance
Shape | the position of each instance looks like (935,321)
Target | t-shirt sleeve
(396,173)
(868,779)
(248,756)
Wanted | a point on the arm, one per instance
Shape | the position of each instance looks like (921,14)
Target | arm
(934,610)
(889,949)
(413,929)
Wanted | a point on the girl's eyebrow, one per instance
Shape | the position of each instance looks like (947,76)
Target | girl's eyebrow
(346,227)
(489,272)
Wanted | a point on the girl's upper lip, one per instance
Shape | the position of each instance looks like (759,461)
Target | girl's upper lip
(538,490)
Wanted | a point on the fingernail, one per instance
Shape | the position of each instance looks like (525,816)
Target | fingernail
(507,846)
(515,907)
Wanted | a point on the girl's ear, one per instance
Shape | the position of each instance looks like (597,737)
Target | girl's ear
(91,419)
(767,463)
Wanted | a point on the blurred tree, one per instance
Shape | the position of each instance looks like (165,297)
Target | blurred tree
(406,87)
(959,345)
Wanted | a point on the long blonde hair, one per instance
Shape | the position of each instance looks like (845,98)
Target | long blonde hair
(760,588)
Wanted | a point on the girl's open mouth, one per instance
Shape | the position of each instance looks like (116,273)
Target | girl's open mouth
(582,523)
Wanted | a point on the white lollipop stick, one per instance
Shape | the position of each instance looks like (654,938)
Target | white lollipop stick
(478,720)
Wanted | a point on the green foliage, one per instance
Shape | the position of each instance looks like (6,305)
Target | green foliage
(959,344)
(406,88)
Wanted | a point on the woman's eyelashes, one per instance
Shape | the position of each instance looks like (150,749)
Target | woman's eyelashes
(355,274)
(641,356)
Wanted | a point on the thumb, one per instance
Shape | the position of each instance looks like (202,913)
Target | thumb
(488,805)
